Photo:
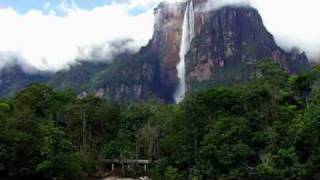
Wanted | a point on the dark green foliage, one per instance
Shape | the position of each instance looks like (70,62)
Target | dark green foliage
(14,78)
(77,76)
(265,129)
(130,78)
(225,147)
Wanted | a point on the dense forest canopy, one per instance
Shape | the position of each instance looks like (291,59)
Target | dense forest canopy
(266,129)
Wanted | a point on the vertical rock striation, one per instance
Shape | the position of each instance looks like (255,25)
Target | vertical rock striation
(226,46)
(223,48)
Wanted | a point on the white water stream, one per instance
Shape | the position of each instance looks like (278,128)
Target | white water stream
(188,33)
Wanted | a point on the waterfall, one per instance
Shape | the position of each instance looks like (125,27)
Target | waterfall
(186,38)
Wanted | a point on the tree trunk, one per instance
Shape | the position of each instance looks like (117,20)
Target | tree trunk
(84,123)
(122,163)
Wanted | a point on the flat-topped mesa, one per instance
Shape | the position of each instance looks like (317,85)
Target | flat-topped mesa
(228,43)
(225,48)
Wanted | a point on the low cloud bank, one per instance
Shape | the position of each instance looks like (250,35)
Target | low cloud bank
(50,41)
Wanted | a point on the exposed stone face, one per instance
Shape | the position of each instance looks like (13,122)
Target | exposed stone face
(202,71)
(226,48)
(138,86)
(228,43)
(13,78)
(135,78)
(166,41)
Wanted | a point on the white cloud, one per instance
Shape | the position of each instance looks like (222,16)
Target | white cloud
(216,4)
(294,23)
(49,41)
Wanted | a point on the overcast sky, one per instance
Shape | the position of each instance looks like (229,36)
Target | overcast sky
(51,33)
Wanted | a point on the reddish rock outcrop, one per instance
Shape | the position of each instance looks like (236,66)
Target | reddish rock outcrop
(228,43)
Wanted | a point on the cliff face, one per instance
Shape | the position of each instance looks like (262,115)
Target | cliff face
(227,45)
(166,43)
(13,78)
(77,76)
(130,78)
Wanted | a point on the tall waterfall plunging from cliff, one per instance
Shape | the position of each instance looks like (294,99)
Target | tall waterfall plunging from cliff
(188,33)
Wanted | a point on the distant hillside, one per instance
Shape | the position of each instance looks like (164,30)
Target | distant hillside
(226,47)
(13,78)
